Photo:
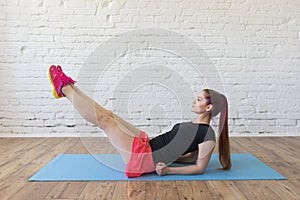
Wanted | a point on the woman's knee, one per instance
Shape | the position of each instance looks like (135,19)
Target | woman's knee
(105,120)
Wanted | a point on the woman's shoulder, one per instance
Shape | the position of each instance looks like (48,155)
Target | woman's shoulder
(196,124)
(191,124)
(182,124)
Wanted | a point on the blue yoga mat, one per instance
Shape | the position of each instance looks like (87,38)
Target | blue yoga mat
(103,167)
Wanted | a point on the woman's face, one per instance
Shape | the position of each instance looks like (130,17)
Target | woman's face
(199,104)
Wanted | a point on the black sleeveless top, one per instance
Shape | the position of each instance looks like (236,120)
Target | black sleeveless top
(183,138)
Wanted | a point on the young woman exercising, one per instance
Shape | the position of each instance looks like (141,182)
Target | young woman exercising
(187,142)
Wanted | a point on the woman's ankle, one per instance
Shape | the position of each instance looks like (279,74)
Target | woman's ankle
(67,89)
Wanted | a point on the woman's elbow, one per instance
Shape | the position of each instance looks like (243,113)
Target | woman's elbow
(200,170)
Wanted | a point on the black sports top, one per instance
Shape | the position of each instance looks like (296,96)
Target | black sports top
(183,138)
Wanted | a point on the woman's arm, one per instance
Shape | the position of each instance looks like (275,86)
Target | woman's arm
(188,158)
(205,152)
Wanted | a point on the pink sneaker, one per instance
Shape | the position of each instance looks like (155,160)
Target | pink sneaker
(64,77)
(58,80)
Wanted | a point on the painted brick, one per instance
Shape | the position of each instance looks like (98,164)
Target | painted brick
(53,3)
(286,122)
(253,46)
(75,3)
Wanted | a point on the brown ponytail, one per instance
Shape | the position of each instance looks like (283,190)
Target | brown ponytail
(224,144)
(220,105)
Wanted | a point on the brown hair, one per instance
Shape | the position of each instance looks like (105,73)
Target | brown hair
(220,105)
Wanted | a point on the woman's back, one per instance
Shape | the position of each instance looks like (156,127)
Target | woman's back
(181,139)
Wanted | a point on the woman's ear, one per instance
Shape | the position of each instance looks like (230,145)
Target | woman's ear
(208,108)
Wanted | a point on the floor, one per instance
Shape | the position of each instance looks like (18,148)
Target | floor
(20,158)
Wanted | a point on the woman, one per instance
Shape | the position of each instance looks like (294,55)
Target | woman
(187,142)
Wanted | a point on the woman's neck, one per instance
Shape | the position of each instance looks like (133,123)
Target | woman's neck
(201,119)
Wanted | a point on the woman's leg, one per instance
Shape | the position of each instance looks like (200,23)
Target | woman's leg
(124,125)
(105,119)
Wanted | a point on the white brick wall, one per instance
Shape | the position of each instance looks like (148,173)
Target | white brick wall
(254,45)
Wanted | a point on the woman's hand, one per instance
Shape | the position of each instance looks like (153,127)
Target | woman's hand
(161,168)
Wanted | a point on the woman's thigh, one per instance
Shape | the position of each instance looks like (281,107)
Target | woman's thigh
(126,126)
(120,139)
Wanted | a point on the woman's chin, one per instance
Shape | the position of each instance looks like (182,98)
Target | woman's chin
(194,111)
